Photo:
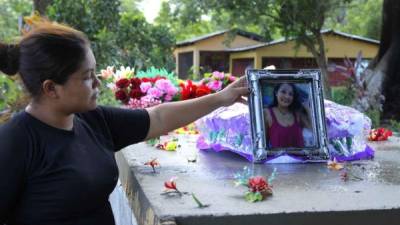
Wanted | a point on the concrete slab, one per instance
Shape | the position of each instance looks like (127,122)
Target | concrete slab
(303,193)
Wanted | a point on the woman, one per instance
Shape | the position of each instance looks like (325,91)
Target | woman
(286,118)
(57,162)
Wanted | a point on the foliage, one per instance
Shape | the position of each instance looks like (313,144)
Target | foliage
(298,19)
(375,116)
(188,18)
(10,91)
(11,10)
(353,19)
(343,95)
(106,96)
(394,125)
(154,72)
(118,37)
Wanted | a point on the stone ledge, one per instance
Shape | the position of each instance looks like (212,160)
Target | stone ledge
(303,193)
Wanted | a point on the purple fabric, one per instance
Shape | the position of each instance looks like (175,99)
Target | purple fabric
(228,128)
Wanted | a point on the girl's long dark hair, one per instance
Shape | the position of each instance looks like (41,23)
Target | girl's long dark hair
(296,105)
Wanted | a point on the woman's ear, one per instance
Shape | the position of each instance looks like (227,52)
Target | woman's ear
(49,89)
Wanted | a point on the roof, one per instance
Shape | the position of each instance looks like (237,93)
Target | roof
(282,40)
(240,32)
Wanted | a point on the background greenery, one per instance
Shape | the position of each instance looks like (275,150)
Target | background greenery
(121,35)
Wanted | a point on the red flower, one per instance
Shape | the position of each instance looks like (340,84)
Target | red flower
(122,83)
(135,82)
(121,95)
(380,134)
(135,93)
(188,90)
(202,90)
(258,183)
(171,184)
(153,163)
(152,79)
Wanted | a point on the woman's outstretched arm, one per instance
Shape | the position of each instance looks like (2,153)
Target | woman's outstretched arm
(169,116)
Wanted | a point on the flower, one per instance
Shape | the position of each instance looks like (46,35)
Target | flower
(121,95)
(124,72)
(218,75)
(380,134)
(107,73)
(153,163)
(135,93)
(188,90)
(171,185)
(145,86)
(202,90)
(257,183)
(171,146)
(135,82)
(154,92)
(217,81)
(215,85)
(122,83)
(231,79)
(333,165)
(259,189)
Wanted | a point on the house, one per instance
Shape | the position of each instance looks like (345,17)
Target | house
(219,51)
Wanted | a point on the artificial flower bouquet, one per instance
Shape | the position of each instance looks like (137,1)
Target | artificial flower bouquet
(155,86)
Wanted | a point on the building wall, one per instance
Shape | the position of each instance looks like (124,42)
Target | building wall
(336,47)
(216,43)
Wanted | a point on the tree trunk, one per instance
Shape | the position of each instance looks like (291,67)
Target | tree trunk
(318,51)
(390,43)
(41,5)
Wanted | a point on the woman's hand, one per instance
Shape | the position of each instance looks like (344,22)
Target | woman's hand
(234,92)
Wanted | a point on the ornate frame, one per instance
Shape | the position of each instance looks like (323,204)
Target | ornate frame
(261,150)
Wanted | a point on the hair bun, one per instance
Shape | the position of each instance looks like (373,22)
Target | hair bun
(9,58)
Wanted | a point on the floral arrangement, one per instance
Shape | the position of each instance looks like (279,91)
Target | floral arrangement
(189,129)
(170,145)
(379,134)
(259,188)
(217,81)
(155,86)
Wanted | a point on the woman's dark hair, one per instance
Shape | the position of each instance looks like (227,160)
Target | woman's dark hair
(296,105)
(50,51)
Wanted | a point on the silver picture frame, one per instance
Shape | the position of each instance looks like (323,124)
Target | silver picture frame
(307,82)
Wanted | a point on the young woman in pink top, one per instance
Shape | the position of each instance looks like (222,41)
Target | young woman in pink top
(286,118)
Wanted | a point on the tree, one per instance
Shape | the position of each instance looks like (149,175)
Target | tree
(301,20)
(353,19)
(41,6)
(11,11)
(389,55)
(119,33)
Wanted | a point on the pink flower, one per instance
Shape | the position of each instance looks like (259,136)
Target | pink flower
(154,92)
(218,75)
(168,98)
(145,86)
(107,73)
(162,84)
(171,91)
(232,78)
(215,85)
